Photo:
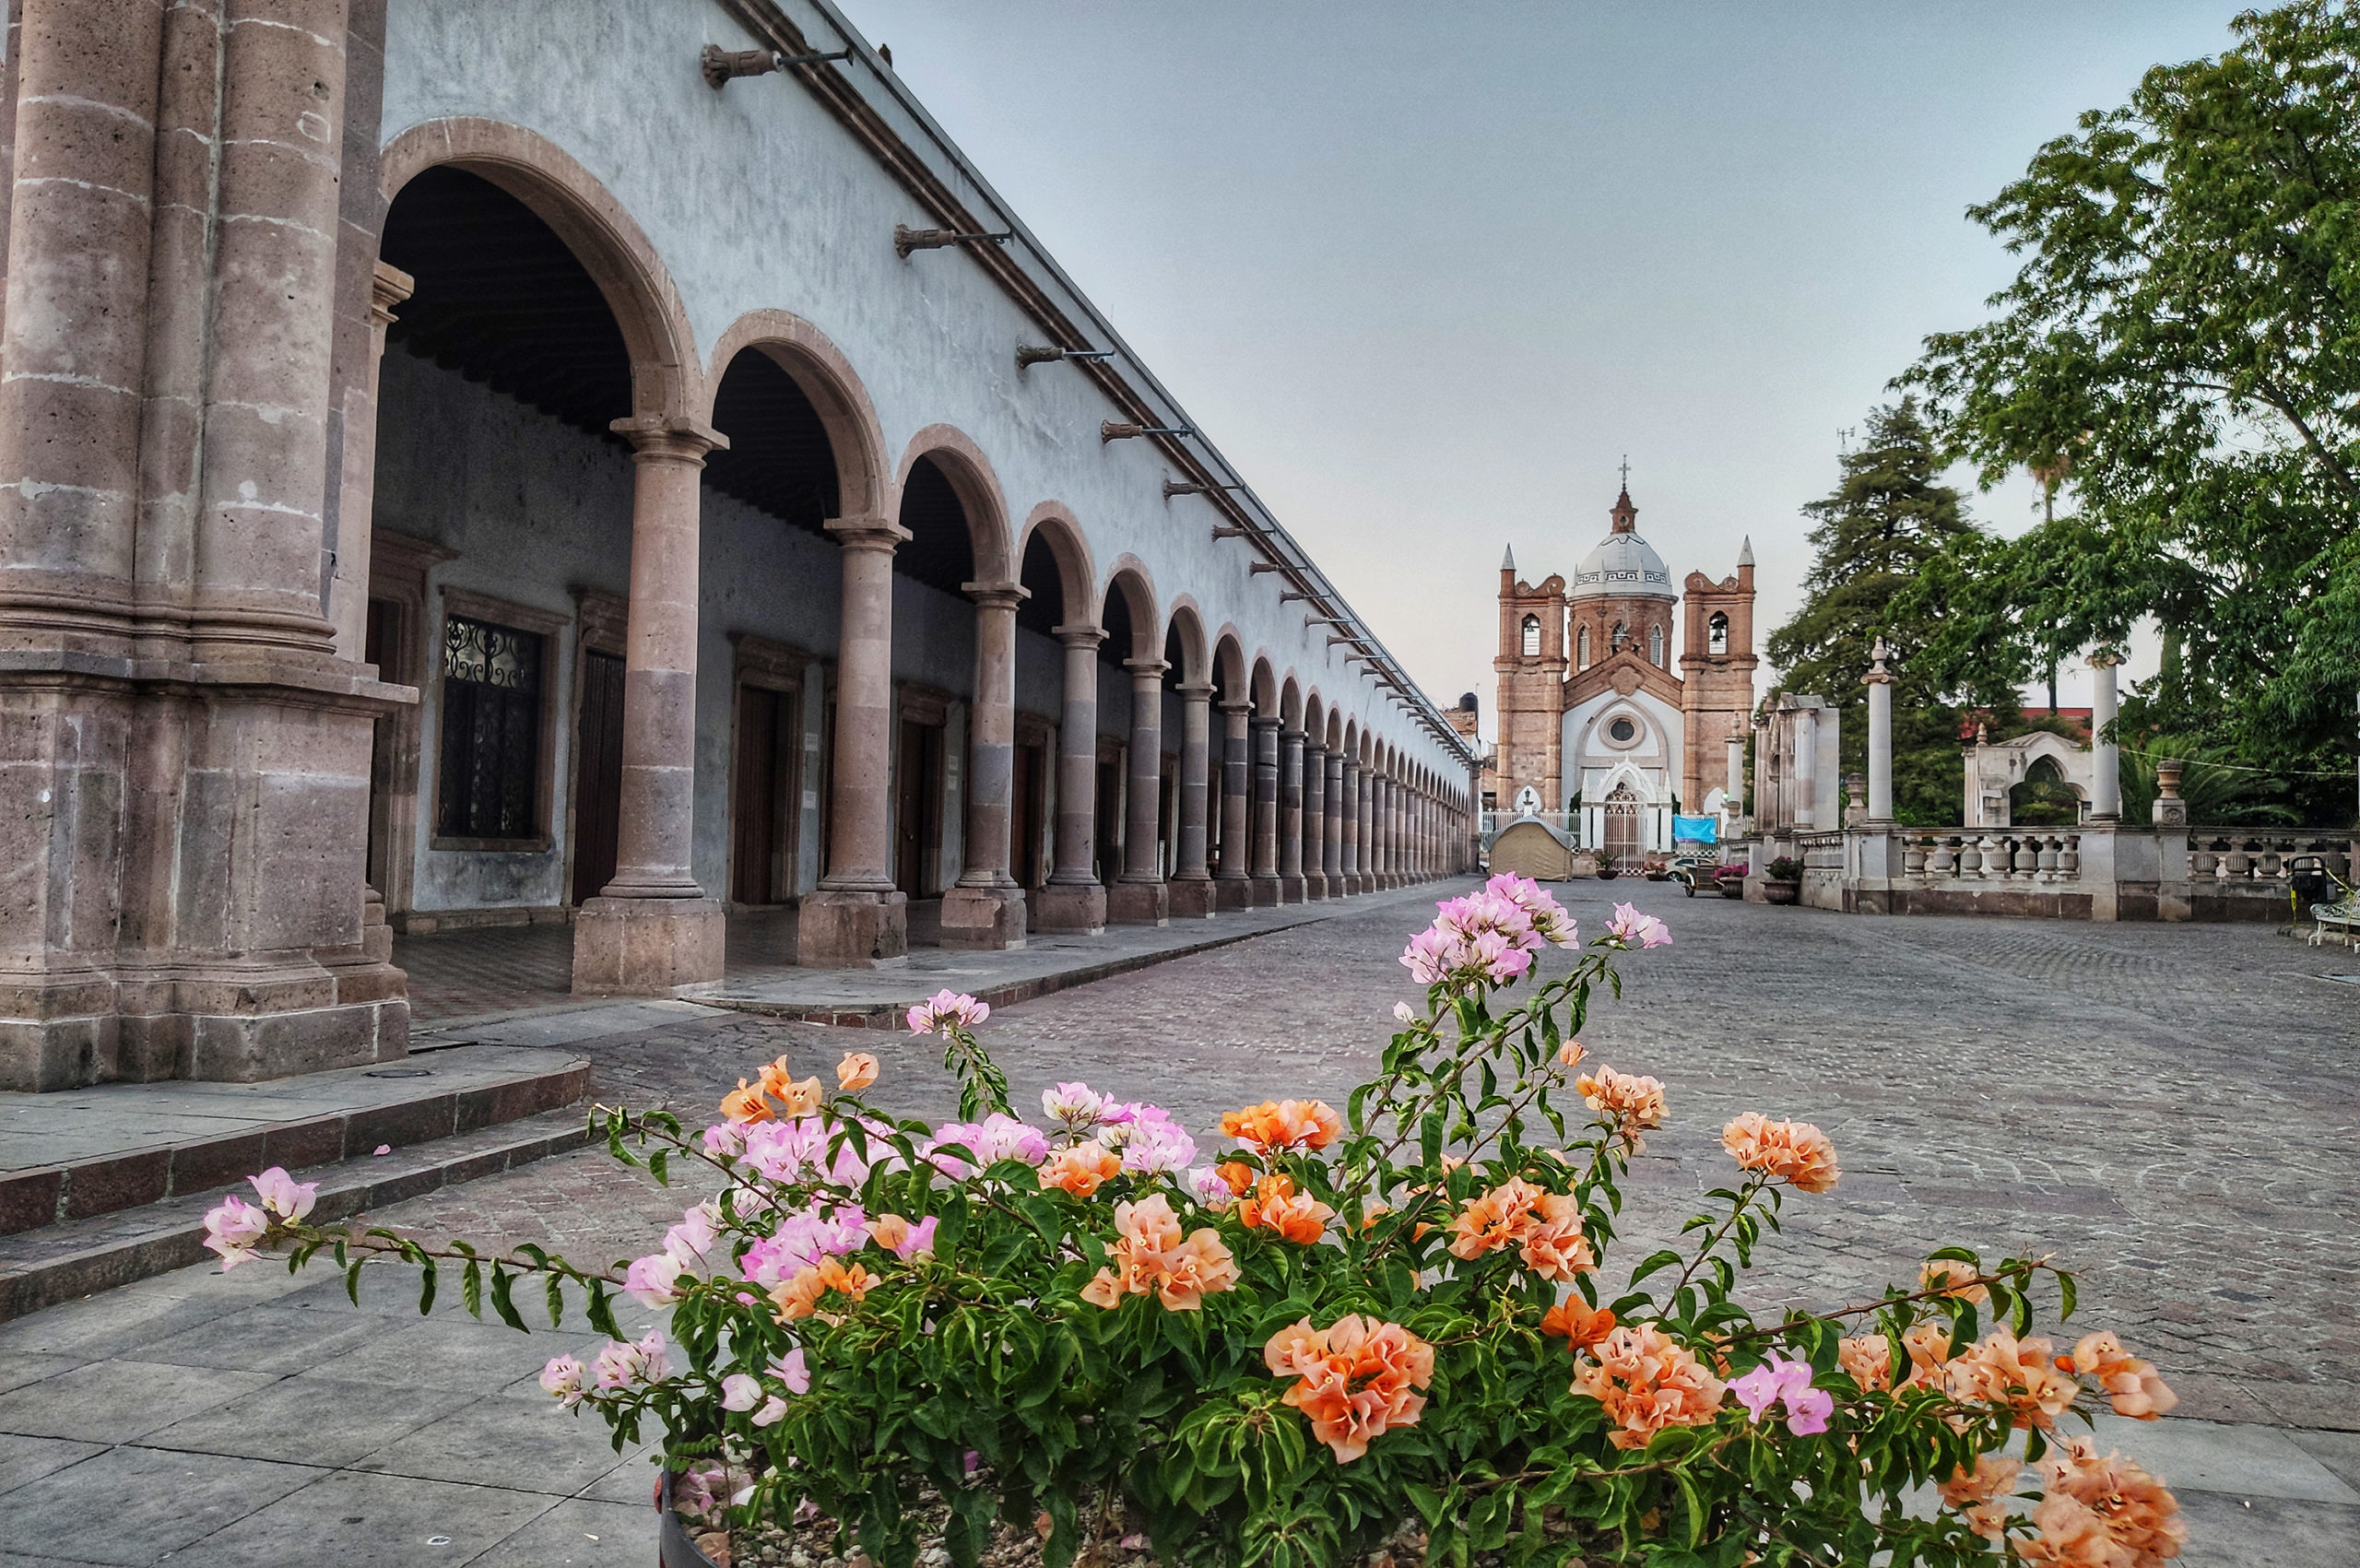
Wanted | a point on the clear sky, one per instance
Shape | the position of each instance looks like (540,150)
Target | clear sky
(1426,272)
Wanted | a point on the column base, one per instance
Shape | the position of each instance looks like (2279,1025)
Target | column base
(1073,906)
(1139,903)
(850,929)
(1266,892)
(1191,900)
(1293,889)
(1232,893)
(1315,887)
(646,947)
(983,919)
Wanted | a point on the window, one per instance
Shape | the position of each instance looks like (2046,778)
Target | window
(1583,641)
(1623,731)
(1654,645)
(492,731)
(1532,637)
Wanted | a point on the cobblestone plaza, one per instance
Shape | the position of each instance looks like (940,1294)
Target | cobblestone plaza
(2168,1111)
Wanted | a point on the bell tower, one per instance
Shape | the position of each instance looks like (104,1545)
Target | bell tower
(1717,666)
(1532,670)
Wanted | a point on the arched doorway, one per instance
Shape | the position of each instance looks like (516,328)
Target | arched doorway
(1620,837)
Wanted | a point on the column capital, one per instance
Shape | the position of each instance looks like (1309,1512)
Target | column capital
(2105,658)
(669,438)
(1141,669)
(388,287)
(1310,744)
(1080,636)
(868,533)
(1197,690)
(1265,721)
(996,596)
(1234,708)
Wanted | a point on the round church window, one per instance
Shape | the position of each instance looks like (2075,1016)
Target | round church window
(1623,730)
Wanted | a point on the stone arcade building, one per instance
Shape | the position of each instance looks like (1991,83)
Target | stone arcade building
(1592,721)
(583,459)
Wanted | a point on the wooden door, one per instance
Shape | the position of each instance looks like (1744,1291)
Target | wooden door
(1109,824)
(917,809)
(1025,802)
(597,775)
(762,797)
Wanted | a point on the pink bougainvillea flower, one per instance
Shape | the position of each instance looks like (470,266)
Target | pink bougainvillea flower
(1077,1107)
(623,1363)
(996,1137)
(725,1141)
(285,1198)
(902,1239)
(1633,929)
(1402,1013)
(1778,1381)
(1549,919)
(740,1392)
(562,1377)
(383,1148)
(650,1280)
(855,1072)
(1157,1147)
(233,1228)
(1210,1188)
(774,1411)
(1794,1152)
(946,1010)
(792,1370)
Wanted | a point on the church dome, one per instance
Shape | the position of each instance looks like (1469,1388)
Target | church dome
(1623,566)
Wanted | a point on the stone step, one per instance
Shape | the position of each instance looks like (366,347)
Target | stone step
(80,1154)
(78,1257)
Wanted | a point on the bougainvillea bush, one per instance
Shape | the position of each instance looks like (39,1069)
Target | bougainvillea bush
(1349,1320)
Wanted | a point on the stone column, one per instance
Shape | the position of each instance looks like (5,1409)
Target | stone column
(1376,848)
(1190,891)
(1733,791)
(1879,681)
(1235,892)
(858,918)
(1355,829)
(2105,764)
(1314,819)
(1393,840)
(1291,887)
(652,928)
(1266,811)
(1806,732)
(349,597)
(1331,855)
(985,909)
(1139,896)
(1074,899)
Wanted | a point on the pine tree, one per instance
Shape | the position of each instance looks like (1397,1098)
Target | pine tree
(1887,517)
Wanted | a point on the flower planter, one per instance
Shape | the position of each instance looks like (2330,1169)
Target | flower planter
(675,1548)
(1781,892)
(1607,873)
(1731,887)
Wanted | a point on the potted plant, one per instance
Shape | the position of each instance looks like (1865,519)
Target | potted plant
(1361,1328)
(1730,879)
(1782,880)
(1655,868)
(1605,866)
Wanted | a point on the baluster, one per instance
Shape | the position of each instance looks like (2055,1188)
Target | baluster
(2203,863)
(2027,855)
(1942,861)
(2044,857)
(2237,866)
(2068,859)
(1913,855)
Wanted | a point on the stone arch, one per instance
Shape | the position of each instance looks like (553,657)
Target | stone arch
(835,392)
(1059,532)
(1314,717)
(1291,702)
(668,381)
(1265,688)
(1130,580)
(1185,635)
(962,462)
(1228,664)
(1335,741)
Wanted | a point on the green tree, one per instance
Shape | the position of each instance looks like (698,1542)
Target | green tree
(2179,357)
(1888,516)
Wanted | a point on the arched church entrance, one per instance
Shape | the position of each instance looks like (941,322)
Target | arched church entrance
(1622,826)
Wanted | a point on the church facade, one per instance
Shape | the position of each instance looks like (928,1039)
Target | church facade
(1619,698)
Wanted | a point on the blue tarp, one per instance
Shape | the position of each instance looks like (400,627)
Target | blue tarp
(1696,830)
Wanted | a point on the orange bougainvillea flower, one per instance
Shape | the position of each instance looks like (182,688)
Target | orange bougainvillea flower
(1980,1495)
(1632,1103)
(1151,1256)
(2014,1375)
(1795,1152)
(1276,1206)
(800,1296)
(1571,1053)
(1285,1123)
(1866,1359)
(1083,1169)
(2139,1517)
(1929,1344)
(1355,1380)
(1942,1271)
(1545,1227)
(855,1072)
(1237,1173)
(1647,1382)
(745,1104)
(2136,1387)
(1576,1323)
